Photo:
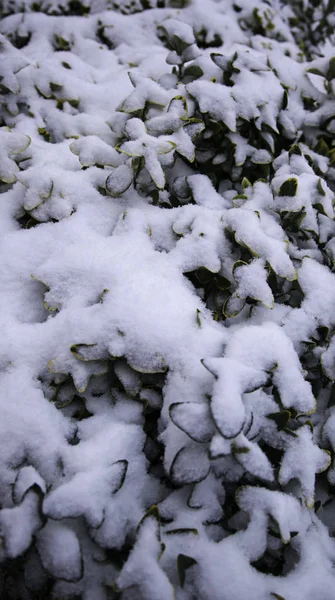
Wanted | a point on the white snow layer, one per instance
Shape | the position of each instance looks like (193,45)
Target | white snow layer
(102,324)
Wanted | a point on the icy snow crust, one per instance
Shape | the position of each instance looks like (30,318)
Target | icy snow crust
(167,301)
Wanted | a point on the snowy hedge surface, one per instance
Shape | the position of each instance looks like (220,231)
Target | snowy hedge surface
(167,399)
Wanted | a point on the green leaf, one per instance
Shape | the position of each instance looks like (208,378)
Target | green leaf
(295,149)
(44,133)
(77,8)
(193,71)
(152,512)
(123,464)
(43,94)
(240,449)
(320,188)
(240,197)
(61,43)
(331,69)
(184,562)
(204,275)
(81,352)
(293,220)
(314,71)
(182,531)
(289,187)
(320,208)
(174,42)
(323,332)
(74,102)
(237,264)
(177,3)
(281,419)
(55,87)
(222,283)
(331,155)
(322,147)
(291,433)
(103,294)
(277,596)
(174,104)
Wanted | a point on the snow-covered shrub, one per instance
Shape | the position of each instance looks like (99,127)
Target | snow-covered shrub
(167,183)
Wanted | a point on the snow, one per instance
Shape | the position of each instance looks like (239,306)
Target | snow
(318,460)
(215,100)
(174,27)
(166,310)
(59,550)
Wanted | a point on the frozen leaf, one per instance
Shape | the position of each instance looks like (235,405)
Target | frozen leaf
(119,180)
(129,378)
(184,562)
(142,569)
(303,459)
(143,145)
(232,380)
(252,458)
(60,552)
(190,465)
(91,150)
(178,33)
(194,419)
(289,187)
(18,525)
(86,494)
(11,144)
(106,408)
(146,92)
(283,508)
(252,282)
(215,100)
(12,62)
(27,479)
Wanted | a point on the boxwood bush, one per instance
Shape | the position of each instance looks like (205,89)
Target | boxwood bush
(167,181)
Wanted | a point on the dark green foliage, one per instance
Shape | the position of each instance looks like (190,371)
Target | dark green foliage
(183,564)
